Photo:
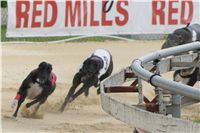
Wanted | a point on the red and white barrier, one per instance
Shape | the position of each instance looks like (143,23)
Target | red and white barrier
(33,18)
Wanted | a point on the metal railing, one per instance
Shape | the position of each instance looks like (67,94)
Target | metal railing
(163,83)
(162,114)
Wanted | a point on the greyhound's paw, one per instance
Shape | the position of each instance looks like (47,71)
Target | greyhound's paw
(62,108)
(28,105)
(14,103)
(14,116)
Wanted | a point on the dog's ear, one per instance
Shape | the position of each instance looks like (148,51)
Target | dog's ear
(42,65)
(49,68)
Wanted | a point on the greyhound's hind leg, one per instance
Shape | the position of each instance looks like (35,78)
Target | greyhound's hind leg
(38,106)
(193,78)
(76,83)
(67,98)
(39,99)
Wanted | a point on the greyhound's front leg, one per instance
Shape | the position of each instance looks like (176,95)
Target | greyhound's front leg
(20,97)
(67,98)
(98,91)
(34,101)
(86,92)
(76,83)
(87,89)
(21,100)
(92,82)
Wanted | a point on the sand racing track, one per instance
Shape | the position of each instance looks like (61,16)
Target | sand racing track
(84,114)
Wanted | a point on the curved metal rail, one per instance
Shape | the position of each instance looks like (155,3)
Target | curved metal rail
(145,114)
(163,83)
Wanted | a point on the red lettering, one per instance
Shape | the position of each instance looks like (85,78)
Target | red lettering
(73,15)
(36,13)
(158,11)
(190,14)
(52,21)
(104,21)
(122,11)
(22,14)
(92,21)
(85,12)
(172,10)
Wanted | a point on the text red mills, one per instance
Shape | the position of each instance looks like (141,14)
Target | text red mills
(76,12)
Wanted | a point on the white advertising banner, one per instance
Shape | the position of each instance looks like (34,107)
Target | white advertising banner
(37,18)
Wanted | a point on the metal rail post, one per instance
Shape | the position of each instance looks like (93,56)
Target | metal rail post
(140,91)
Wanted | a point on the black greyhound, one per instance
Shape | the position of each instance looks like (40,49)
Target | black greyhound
(94,69)
(188,34)
(37,86)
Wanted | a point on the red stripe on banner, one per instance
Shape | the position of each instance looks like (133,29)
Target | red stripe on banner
(42,18)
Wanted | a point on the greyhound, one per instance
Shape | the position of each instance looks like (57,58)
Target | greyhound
(37,86)
(93,70)
(188,34)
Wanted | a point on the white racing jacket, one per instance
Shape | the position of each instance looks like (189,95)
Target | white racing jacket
(105,56)
(195,30)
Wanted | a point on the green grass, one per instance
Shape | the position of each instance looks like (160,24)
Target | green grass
(198,121)
(45,39)
(34,39)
